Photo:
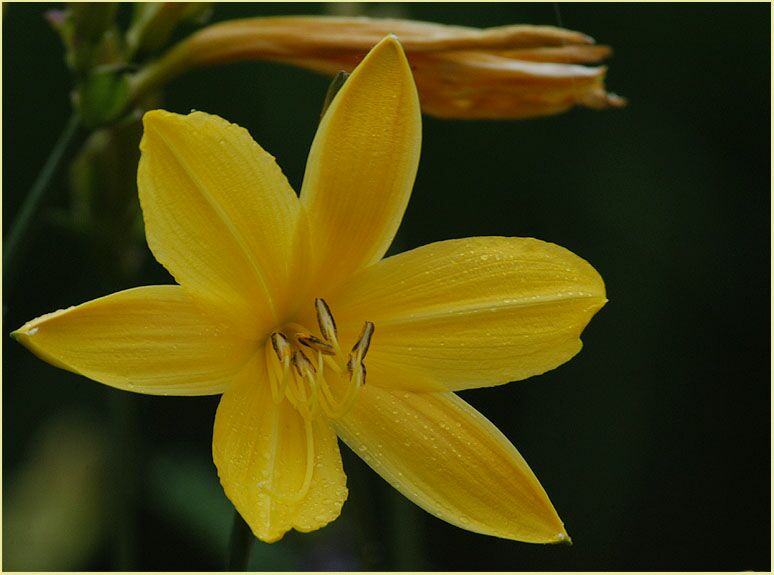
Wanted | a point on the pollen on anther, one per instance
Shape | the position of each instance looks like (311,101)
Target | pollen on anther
(325,320)
(316,344)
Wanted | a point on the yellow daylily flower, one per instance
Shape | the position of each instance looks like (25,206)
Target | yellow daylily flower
(273,286)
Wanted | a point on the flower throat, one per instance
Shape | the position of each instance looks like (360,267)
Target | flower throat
(312,372)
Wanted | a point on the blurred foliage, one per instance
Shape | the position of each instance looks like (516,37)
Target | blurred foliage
(653,442)
(55,505)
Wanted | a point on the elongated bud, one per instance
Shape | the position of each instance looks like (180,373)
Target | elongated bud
(517,71)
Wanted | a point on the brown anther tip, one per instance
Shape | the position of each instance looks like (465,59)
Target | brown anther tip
(276,338)
(300,359)
(325,318)
(365,339)
(315,343)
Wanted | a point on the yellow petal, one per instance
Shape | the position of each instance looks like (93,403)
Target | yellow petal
(362,165)
(149,339)
(261,451)
(219,214)
(470,313)
(450,460)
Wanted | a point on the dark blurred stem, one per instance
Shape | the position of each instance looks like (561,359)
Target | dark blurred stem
(240,545)
(407,534)
(126,475)
(365,500)
(15,237)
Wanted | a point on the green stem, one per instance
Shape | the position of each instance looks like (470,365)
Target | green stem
(34,199)
(154,75)
(240,545)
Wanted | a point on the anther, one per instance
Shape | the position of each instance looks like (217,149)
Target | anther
(281,346)
(330,381)
(302,363)
(325,320)
(316,344)
(362,373)
(360,349)
(278,375)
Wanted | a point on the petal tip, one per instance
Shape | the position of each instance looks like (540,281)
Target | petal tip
(25,332)
(388,47)
(154,118)
(390,40)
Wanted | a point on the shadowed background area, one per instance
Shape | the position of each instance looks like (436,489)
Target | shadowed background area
(653,443)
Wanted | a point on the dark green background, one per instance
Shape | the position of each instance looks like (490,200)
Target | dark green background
(653,443)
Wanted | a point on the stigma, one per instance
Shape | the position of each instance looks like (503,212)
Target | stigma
(312,371)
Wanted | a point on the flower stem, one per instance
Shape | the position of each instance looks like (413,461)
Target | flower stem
(34,198)
(240,545)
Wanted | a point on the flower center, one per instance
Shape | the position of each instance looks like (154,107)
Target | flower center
(313,373)
(316,377)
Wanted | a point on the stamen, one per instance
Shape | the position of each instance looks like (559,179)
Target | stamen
(315,343)
(325,321)
(306,371)
(333,363)
(277,380)
(333,408)
(360,349)
(281,346)
(305,383)
(302,363)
